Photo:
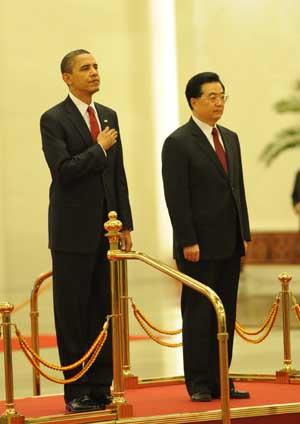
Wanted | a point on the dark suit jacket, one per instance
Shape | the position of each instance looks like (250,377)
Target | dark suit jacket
(205,205)
(85,183)
(296,189)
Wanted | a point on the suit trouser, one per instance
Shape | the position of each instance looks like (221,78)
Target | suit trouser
(200,344)
(82,300)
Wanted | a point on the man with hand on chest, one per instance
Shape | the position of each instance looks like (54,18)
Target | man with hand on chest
(82,147)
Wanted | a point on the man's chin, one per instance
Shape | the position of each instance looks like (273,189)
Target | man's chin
(218,116)
(94,89)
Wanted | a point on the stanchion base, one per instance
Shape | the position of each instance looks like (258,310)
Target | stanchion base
(12,419)
(124,410)
(131,382)
(282,377)
(285,376)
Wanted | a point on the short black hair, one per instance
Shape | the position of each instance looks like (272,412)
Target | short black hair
(194,86)
(67,61)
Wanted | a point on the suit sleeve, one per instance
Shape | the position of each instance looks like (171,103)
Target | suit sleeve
(121,185)
(64,166)
(296,189)
(175,174)
(244,209)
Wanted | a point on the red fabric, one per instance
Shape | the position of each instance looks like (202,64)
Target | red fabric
(174,399)
(151,401)
(94,126)
(219,149)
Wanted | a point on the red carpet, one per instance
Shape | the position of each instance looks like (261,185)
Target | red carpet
(163,400)
(174,399)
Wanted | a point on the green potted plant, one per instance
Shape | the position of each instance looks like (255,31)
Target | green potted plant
(288,138)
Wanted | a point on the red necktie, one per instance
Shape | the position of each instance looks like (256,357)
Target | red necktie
(219,149)
(94,126)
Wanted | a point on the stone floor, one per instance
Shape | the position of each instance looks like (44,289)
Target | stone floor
(158,298)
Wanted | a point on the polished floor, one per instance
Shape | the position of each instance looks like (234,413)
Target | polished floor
(158,298)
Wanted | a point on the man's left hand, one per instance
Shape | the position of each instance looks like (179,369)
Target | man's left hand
(245,246)
(126,242)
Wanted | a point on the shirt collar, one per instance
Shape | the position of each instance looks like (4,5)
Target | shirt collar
(207,129)
(81,105)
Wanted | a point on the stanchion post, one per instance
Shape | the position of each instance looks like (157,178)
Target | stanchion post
(10,415)
(282,376)
(113,228)
(130,380)
(224,381)
(34,321)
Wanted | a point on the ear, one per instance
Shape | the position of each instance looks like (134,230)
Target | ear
(193,102)
(67,78)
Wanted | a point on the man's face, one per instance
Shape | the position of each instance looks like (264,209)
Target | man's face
(209,106)
(84,77)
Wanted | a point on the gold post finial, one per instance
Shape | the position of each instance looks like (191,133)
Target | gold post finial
(113,227)
(6,308)
(284,277)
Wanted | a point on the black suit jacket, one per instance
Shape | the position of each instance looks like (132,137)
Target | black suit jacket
(85,183)
(206,206)
(296,189)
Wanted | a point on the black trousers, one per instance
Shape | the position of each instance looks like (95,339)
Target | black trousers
(200,344)
(82,300)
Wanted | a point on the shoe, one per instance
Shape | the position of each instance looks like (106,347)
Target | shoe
(103,399)
(203,396)
(84,404)
(233,394)
(238,394)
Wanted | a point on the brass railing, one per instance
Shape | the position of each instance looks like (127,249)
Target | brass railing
(117,259)
(120,327)
(121,359)
(34,320)
(10,416)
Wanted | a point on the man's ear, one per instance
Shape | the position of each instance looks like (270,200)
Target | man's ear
(67,78)
(193,101)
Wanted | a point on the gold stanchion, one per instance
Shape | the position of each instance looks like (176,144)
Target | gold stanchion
(283,375)
(130,380)
(114,255)
(34,320)
(113,228)
(10,415)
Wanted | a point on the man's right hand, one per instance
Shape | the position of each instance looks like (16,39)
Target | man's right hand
(192,253)
(107,138)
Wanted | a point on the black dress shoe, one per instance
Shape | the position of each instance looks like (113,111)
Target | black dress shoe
(203,396)
(84,404)
(233,394)
(103,399)
(238,394)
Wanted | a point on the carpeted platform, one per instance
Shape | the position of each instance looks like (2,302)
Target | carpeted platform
(169,401)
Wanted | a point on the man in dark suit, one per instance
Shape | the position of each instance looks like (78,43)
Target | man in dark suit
(205,196)
(82,147)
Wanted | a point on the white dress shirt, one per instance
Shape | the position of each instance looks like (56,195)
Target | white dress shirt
(207,129)
(82,107)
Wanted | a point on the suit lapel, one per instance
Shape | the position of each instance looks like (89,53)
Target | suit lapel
(105,120)
(103,116)
(78,121)
(229,152)
(202,142)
